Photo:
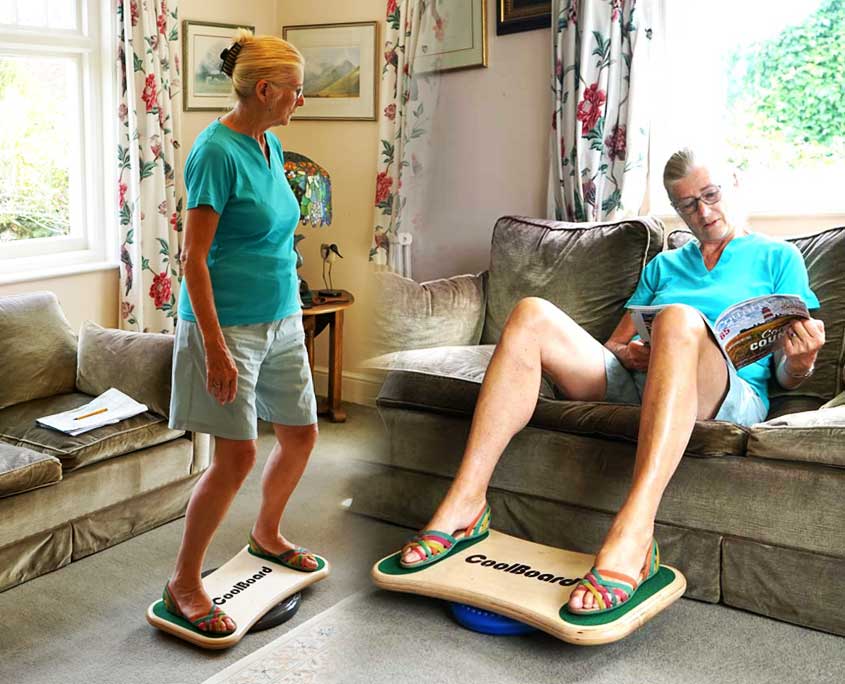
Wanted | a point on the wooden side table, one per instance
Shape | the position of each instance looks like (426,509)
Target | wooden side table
(314,320)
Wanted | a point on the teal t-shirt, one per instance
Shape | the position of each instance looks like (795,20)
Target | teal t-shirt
(750,266)
(251,261)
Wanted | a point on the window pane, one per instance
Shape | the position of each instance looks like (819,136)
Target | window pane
(38,158)
(765,80)
(32,12)
(62,14)
(7,11)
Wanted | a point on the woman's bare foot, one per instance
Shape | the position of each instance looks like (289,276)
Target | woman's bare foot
(277,544)
(451,516)
(194,603)
(624,550)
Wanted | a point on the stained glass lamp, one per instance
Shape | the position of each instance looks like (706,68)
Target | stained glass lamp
(312,188)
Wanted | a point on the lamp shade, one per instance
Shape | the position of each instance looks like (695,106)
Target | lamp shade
(312,188)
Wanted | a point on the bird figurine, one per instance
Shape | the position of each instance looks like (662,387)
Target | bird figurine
(330,253)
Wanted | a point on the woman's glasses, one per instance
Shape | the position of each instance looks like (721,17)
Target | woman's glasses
(689,205)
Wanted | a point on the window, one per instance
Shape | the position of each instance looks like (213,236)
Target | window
(55,168)
(766,81)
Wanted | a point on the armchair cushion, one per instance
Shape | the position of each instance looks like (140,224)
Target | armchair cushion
(588,270)
(411,315)
(24,469)
(38,351)
(138,364)
(810,436)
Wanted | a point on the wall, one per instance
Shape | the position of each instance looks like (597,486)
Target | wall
(491,136)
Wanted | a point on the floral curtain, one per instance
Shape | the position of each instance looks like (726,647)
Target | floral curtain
(600,125)
(150,196)
(407,103)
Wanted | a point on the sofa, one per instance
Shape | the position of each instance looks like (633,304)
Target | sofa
(62,497)
(753,516)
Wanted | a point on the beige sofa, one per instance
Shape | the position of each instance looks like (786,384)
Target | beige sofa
(61,497)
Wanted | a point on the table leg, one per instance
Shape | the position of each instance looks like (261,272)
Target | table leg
(308,326)
(332,403)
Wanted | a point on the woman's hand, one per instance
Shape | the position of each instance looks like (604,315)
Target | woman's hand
(221,373)
(801,344)
(634,355)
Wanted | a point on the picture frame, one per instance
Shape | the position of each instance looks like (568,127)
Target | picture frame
(204,87)
(514,16)
(341,78)
(453,36)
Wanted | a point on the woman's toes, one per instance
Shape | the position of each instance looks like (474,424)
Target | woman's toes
(411,555)
(576,598)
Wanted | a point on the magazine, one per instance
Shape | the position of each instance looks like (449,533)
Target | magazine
(747,331)
(110,407)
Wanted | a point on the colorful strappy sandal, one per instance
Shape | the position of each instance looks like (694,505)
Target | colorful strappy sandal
(613,589)
(205,625)
(436,545)
(292,558)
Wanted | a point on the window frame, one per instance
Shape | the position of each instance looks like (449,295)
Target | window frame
(94,247)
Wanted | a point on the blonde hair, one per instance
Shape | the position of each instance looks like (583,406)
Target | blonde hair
(682,162)
(264,57)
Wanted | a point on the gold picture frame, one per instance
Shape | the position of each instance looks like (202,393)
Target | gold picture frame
(341,70)
(453,37)
(204,87)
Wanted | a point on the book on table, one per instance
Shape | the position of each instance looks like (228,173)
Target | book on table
(747,331)
(110,407)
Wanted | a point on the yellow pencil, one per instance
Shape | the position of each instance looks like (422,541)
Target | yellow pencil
(93,413)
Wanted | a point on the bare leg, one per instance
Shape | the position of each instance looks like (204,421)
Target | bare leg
(687,380)
(282,472)
(210,500)
(537,337)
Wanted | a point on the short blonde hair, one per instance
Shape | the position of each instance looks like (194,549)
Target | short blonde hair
(682,162)
(264,57)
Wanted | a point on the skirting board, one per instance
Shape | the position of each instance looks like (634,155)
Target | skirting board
(358,388)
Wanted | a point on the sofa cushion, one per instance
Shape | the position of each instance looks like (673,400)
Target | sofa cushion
(810,436)
(824,254)
(411,315)
(588,270)
(138,364)
(447,380)
(18,427)
(24,469)
(38,352)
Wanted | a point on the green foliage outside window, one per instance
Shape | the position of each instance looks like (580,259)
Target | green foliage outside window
(34,150)
(787,94)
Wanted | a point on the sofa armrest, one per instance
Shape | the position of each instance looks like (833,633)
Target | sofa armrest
(437,313)
(138,364)
(810,436)
(202,451)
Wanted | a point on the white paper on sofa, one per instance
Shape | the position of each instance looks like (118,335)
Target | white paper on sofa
(110,407)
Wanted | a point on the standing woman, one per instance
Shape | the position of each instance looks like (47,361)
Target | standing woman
(239,352)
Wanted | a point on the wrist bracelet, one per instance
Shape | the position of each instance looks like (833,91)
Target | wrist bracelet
(800,376)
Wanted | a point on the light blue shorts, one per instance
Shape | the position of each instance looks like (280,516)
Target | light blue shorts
(274,379)
(741,404)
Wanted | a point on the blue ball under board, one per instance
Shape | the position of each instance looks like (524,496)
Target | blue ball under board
(486,622)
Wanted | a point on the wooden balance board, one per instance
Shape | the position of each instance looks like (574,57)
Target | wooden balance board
(531,583)
(245,587)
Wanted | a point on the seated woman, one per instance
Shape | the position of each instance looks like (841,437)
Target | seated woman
(681,377)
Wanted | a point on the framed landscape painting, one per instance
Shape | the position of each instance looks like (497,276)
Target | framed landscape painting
(205,87)
(340,70)
(522,15)
(453,36)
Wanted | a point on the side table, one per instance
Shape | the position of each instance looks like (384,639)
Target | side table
(328,312)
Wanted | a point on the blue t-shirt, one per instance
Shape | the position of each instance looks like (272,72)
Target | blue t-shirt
(750,266)
(251,261)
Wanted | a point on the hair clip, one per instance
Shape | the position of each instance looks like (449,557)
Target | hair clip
(229,55)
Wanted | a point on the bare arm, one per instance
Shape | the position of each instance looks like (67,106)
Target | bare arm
(221,371)
(633,355)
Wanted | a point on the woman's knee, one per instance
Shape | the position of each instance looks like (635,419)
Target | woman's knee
(530,313)
(235,458)
(299,437)
(679,322)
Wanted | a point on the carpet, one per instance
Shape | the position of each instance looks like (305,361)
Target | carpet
(377,636)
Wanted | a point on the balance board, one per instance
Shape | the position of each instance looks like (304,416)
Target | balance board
(245,587)
(531,583)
